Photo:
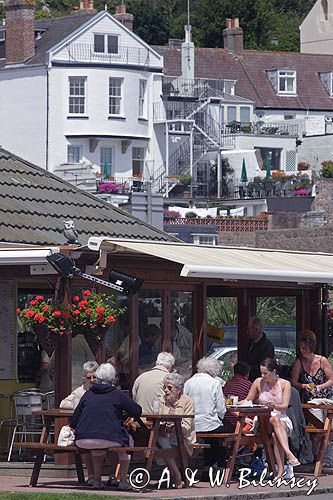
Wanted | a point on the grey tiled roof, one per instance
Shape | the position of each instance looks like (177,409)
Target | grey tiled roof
(34,203)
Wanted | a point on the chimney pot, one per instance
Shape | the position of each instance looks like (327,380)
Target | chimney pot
(123,17)
(20,30)
(228,23)
(233,35)
(121,9)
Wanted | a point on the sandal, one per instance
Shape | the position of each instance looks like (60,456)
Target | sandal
(112,481)
(294,462)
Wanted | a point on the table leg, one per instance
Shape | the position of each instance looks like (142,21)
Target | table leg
(323,445)
(264,434)
(152,443)
(234,449)
(181,451)
(46,429)
(36,469)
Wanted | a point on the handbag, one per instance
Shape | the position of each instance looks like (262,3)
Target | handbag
(66,436)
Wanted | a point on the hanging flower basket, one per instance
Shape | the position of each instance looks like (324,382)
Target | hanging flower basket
(47,339)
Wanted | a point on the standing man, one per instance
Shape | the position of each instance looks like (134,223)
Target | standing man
(259,347)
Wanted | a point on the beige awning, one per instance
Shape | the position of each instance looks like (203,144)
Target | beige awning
(229,262)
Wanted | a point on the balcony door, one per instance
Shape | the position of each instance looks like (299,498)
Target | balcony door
(106,162)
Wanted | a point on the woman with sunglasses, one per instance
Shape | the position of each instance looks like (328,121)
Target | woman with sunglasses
(175,402)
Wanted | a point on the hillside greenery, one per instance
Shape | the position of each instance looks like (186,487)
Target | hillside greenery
(158,20)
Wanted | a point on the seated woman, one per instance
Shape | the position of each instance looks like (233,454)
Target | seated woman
(175,402)
(71,402)
(98,423)
(311,374)
(274,392)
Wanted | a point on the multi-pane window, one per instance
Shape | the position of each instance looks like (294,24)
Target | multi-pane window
(142,96)
(231,114)
(138,158)
(245,114)
(108,44)
(77,94)
(115,85)
(287,82)
(73,154)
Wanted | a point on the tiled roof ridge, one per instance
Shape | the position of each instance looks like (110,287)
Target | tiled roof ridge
(67,16)
(98,203)
(45,214)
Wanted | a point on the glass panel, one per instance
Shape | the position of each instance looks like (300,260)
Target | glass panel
(112,44)
(73,154)
(279,316)
(150,324)
(98,43)
(181,304)
(106,162)
(222,332)
(244,114)
(117,344)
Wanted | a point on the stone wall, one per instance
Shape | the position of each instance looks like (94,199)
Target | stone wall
(324,199)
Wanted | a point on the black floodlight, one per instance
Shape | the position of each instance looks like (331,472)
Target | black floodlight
(62,264)
(118,281)
(129,283)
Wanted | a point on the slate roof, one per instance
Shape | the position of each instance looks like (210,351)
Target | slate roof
(34,203)
(249,69)
(53,31)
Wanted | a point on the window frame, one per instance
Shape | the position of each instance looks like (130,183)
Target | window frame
(142,101)
(79,151)
(199,239)
(137,161)
(113,98)
(77,101)
(286,75)
(106,44)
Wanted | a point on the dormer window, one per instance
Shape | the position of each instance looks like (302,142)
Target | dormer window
(327,80)
(283,81)
(106,44)
(229,87)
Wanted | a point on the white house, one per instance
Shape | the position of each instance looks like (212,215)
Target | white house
(78,91)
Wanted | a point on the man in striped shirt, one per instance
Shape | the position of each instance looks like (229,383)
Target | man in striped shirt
(239,385)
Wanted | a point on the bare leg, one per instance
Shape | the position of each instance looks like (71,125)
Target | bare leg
(282,437)
(113,459)
(98,457)
(168,455)
(124,461)
(279,455)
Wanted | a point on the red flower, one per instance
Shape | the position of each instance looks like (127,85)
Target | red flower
(100,319)
(83,304)
(39,297)
(46,308)
(33,302)
(76,312)
(57,314)
(88,311)
(86,293)
(76,298)
(65,315)
(18,310)
(100,310)
(39,318)
(111,319)
(30,313)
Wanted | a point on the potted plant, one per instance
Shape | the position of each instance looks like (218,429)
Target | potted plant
(48,321)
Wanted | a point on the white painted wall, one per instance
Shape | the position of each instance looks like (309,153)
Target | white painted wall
(315,150)
(96,121)
(316,31)
(23,112)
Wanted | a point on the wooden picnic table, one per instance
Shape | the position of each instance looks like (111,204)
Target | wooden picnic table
(61,417)
(261,437)
(319,429)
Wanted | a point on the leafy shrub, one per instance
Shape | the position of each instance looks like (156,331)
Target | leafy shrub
(327,169)
(303,165)
(186,179)
(191,215)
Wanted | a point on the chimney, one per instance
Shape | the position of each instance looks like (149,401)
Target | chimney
(187,52)
(124,18)
(233,36)
(20,30)
(86,6)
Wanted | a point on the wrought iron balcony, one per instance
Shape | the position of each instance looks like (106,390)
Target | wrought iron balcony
(126,55)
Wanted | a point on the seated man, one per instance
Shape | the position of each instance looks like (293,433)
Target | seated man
(71,401)
(239,385)
(206,392)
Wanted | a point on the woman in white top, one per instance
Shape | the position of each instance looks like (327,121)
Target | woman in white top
(72,400)
(275,393)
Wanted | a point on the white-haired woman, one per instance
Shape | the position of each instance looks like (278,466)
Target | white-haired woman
(206,391)
(175,402)
(98,423)
(71,401)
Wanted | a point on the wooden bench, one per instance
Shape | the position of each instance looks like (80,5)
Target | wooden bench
(49,448)
(224,437)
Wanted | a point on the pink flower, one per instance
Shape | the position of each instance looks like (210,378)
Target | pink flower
(76,312)
(39,298)
(18,310)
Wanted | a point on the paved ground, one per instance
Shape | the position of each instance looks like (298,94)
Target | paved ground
(238,490)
